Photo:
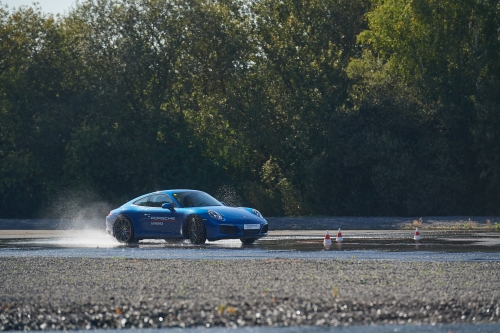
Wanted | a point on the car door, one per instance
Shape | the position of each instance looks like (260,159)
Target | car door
(164,221)
(143,215)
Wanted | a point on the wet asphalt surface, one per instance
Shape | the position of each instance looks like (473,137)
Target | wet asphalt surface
(458,245)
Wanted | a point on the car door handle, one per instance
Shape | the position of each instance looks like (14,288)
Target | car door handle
(147,215)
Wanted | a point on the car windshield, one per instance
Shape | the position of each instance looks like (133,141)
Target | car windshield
(195,199)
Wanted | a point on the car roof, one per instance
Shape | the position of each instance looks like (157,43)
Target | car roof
(177,190)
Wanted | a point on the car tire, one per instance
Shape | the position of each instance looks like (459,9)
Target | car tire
(185,229)
(123,230)
(197,230)
(248,241)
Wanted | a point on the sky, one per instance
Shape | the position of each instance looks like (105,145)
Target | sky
(48,6)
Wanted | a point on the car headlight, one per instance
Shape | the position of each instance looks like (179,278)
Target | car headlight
(256,212)
(215,215)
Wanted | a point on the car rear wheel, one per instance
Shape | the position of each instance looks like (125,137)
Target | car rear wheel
(197,230)
(123,230)
(248,240)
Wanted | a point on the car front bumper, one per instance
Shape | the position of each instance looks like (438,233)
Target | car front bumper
(228,230)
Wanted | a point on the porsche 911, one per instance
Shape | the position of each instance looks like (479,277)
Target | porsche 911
(184,214)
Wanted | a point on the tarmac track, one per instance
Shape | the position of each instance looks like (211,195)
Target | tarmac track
(399,245)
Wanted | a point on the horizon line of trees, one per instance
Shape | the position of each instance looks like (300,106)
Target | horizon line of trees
(310,107)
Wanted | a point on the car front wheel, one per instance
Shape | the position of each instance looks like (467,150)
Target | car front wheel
(247,241)
(197,230)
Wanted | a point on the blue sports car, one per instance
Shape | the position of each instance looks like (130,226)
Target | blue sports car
(189,214)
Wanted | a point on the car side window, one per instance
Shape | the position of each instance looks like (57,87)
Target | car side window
(142,202)
(159,199)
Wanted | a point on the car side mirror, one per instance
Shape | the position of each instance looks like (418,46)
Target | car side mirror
(222,202)
(168,205)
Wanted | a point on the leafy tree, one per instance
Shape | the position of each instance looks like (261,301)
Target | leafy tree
(36,114)
(294,82)
(139,121)
(383,107)
(440,51)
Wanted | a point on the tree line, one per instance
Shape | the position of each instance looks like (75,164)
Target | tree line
(310,107)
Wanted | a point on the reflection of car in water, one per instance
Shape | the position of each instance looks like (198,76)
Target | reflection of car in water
(184,214)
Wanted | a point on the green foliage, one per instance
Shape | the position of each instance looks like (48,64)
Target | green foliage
(337,107)
(37,100)
(440,51)
(290,92)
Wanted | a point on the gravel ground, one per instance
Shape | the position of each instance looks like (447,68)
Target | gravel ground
(82,293)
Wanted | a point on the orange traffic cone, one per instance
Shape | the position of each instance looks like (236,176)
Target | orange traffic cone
(339,236)
(327,241)
(417,235)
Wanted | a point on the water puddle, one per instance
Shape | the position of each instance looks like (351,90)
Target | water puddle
(363,245)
